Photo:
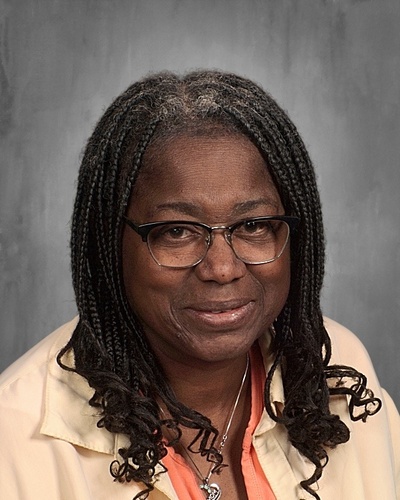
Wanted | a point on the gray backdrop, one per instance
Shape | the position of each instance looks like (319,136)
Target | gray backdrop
(333,64)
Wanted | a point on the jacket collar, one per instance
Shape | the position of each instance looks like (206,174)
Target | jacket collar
(67,414)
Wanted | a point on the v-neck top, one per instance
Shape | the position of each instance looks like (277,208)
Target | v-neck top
(184,479)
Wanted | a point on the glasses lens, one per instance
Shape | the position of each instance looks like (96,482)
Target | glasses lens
(260,241)
(177,245)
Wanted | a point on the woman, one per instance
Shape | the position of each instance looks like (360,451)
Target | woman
(200,365)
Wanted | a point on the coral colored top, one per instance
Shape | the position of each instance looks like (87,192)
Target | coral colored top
(184,479)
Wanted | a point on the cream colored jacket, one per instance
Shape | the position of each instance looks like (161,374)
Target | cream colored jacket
(51,448)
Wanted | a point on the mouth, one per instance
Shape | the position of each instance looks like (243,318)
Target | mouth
(222,315)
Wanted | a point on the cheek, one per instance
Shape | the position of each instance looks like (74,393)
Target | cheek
(148,287)
(275,282)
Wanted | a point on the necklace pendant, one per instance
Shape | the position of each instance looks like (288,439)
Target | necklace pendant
(212,490)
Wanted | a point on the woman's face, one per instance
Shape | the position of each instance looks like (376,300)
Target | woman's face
(215,310)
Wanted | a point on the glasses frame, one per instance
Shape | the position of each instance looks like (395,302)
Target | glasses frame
(143,231)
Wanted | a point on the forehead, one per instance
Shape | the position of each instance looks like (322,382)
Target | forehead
(218,171)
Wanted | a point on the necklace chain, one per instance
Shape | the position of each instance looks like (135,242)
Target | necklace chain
(213,490)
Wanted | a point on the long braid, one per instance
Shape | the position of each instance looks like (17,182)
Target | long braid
(110,348)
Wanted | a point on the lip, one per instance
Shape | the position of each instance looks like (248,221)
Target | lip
(222,315)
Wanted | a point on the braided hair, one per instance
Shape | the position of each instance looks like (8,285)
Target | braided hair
(109,346)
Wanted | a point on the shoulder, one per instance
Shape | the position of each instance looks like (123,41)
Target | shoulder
(347,348)
(30,369)
(377,441)
(342,336)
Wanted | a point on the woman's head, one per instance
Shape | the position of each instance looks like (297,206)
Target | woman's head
(126,146)
(215,309)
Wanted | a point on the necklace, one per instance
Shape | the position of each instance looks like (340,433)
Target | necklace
(213,490)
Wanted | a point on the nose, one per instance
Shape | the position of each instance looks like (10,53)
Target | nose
(220,263)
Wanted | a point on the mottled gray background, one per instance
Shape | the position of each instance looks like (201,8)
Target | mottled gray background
(333,64)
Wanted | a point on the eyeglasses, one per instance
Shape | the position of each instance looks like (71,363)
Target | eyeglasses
(184,244)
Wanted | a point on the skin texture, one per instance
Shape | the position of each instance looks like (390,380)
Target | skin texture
(217,309)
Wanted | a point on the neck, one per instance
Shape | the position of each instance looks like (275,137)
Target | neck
(209,389)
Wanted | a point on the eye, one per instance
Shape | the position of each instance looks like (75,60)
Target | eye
(175,233)
(257,226)
(262,231)
(262,227)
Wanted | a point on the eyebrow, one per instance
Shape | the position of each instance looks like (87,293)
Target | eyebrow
(185,208)
(240,209)
(247,206)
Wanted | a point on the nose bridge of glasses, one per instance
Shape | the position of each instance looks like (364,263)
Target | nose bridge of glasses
(226,233)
